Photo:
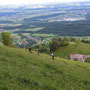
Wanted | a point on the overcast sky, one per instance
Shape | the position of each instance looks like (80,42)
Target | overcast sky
(17,2)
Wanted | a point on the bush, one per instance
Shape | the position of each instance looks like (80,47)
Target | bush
(58,42)
(85,41)
(6,39)
(44,48)
(66,39)
(72,39)
(54,45)
(78,41)
(63,43)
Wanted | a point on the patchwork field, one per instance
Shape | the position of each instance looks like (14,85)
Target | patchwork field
(43,35)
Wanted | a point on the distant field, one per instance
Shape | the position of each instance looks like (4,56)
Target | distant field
(43,35)
(34,29)
(11,31)
(16,36)
(25,34)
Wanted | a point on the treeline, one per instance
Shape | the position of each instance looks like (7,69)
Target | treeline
(55,43)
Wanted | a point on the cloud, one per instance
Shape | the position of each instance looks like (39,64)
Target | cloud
(6,2)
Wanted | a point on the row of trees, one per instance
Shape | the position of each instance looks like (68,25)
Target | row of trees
(55,43)
(58,42)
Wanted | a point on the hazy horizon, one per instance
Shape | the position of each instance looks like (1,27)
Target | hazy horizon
(20,2)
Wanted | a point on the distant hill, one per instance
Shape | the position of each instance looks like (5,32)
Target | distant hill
(21,70)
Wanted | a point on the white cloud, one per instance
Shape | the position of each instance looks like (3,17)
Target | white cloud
(6,2)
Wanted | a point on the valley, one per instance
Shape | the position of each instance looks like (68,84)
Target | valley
(45,46)
(45,21)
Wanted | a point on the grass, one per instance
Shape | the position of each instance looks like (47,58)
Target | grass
(34,29)
(73,48)
(21,70)
(43,35)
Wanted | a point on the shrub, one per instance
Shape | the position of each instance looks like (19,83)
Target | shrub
(72,39)
(6,39)
(66,39)
(63,43)
(54,45)
(85,41)
(78,41)
(44,48)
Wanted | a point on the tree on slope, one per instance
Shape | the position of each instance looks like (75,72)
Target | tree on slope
(54,45)
(6,38)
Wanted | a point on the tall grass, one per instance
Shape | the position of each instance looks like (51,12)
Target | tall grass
(21,70)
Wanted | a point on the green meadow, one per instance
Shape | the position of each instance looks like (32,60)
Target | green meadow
(73,48)
(22,70)
(43,35)
(34,29)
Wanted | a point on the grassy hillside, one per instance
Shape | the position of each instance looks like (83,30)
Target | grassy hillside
(21,70)
(73,48)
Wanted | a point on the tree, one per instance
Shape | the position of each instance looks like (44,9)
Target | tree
(63,43)
(54,45)
(6,38)
(72,39)
(44,48)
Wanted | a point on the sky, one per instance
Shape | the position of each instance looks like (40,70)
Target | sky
(18,2)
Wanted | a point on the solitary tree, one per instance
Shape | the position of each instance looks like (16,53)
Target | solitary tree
(6,38)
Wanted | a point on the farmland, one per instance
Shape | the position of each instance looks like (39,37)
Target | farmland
(46,21)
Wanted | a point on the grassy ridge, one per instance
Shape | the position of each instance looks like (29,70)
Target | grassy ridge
(21,70)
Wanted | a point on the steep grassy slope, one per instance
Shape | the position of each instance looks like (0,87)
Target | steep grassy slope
(73,48)
(21,70)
